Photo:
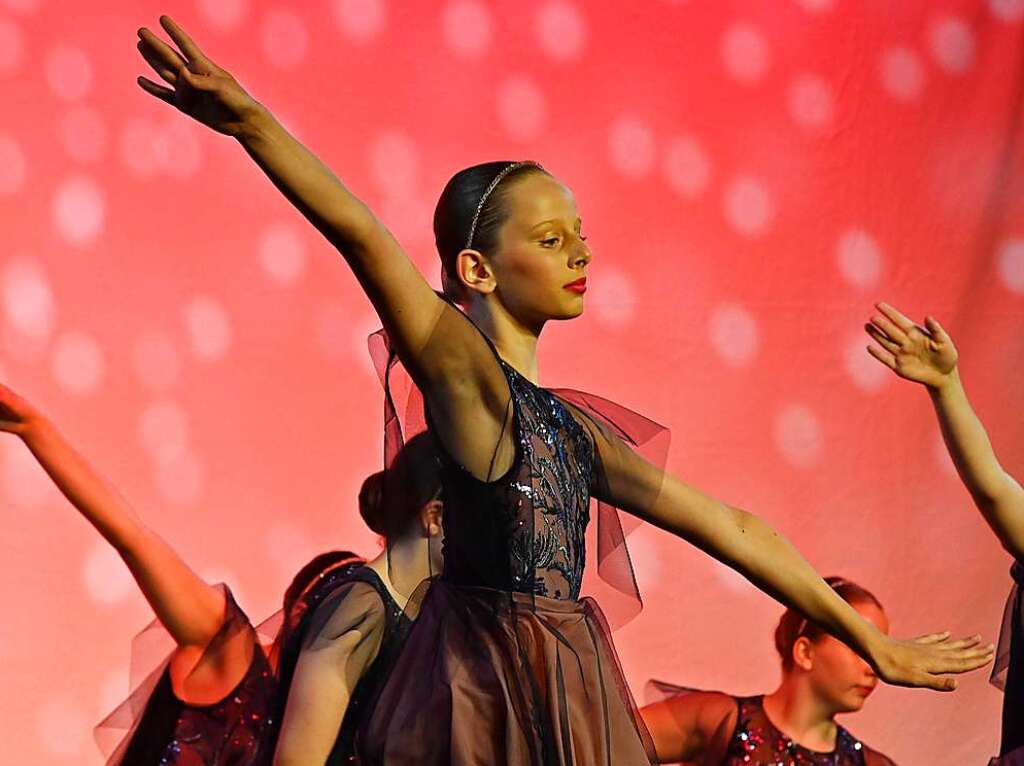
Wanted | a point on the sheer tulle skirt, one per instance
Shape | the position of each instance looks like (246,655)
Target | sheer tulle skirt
(491,677)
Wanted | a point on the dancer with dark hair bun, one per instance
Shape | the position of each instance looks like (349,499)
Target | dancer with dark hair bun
(926,354)
(506,663)
(794,725)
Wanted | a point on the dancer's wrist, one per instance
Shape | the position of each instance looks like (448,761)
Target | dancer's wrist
(258,124)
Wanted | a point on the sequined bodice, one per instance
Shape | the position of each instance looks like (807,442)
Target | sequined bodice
(755,740)
(525,531)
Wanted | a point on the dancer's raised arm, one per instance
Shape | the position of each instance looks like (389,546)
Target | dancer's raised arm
(447,359)
(926,355)
(191,610)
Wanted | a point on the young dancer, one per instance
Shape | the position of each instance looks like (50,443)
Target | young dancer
(926,355)
(219,698)
(794,725)
(505,663)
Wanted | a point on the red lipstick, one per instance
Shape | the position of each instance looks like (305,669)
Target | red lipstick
(579,286)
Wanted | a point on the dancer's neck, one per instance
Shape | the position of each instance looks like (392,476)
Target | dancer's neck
(795,710)
(402,566)
(516,342)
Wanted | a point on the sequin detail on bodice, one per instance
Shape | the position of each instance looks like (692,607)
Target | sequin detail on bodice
(757,741)
(526,531)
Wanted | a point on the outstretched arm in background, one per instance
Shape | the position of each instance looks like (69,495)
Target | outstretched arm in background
(927,355)
(191,610)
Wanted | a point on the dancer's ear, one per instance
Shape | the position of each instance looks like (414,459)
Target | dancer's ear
(474,272)
(803,653)
(430,518)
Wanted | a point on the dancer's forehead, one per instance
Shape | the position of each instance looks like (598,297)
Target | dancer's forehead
(539,200)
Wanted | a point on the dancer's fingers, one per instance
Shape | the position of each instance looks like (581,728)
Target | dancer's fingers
(882,339)
(162,93)
(158,65)
(937,331)
(895,316)
(183,41)
(933,638)
(170,57)
(890,328)
(883,356)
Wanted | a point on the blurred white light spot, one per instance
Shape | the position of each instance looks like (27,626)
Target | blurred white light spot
(612,296)
(282,253)
(78,210)
(744,53)
(811,103)
(562,31)
(68,73)
(224,14)
(798,436)
(104,575)
(78,364)
(360,20)
(952,44)
(208,326)
(522,109)
(1011,264)
(902,74)
(28,301)
(631,147)
(748,207)
(859,257)
(284,39)
(734,334)
(686,166)
(467,27)
(1007,10)
(866,372)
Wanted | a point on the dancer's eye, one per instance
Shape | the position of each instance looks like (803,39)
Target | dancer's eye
(550,241)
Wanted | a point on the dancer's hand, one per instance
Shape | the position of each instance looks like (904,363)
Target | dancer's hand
(921,354)
(927,660)
(17,415)
(199,88)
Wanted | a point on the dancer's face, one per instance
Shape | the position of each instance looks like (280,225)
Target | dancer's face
(841,679)
(541,252)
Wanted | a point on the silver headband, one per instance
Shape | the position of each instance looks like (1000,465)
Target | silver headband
(487,193)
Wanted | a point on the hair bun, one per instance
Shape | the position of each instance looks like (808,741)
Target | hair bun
(371,503)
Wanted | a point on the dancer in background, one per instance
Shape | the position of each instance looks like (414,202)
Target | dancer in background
(505,662)
(794,725)
(219,697)
(926,355)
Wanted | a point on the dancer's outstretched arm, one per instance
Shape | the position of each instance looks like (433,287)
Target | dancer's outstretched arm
(191,610)
(752,547)
(926,355)
(450,363)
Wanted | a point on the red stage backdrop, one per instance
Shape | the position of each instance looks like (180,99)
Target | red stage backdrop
(752,175)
